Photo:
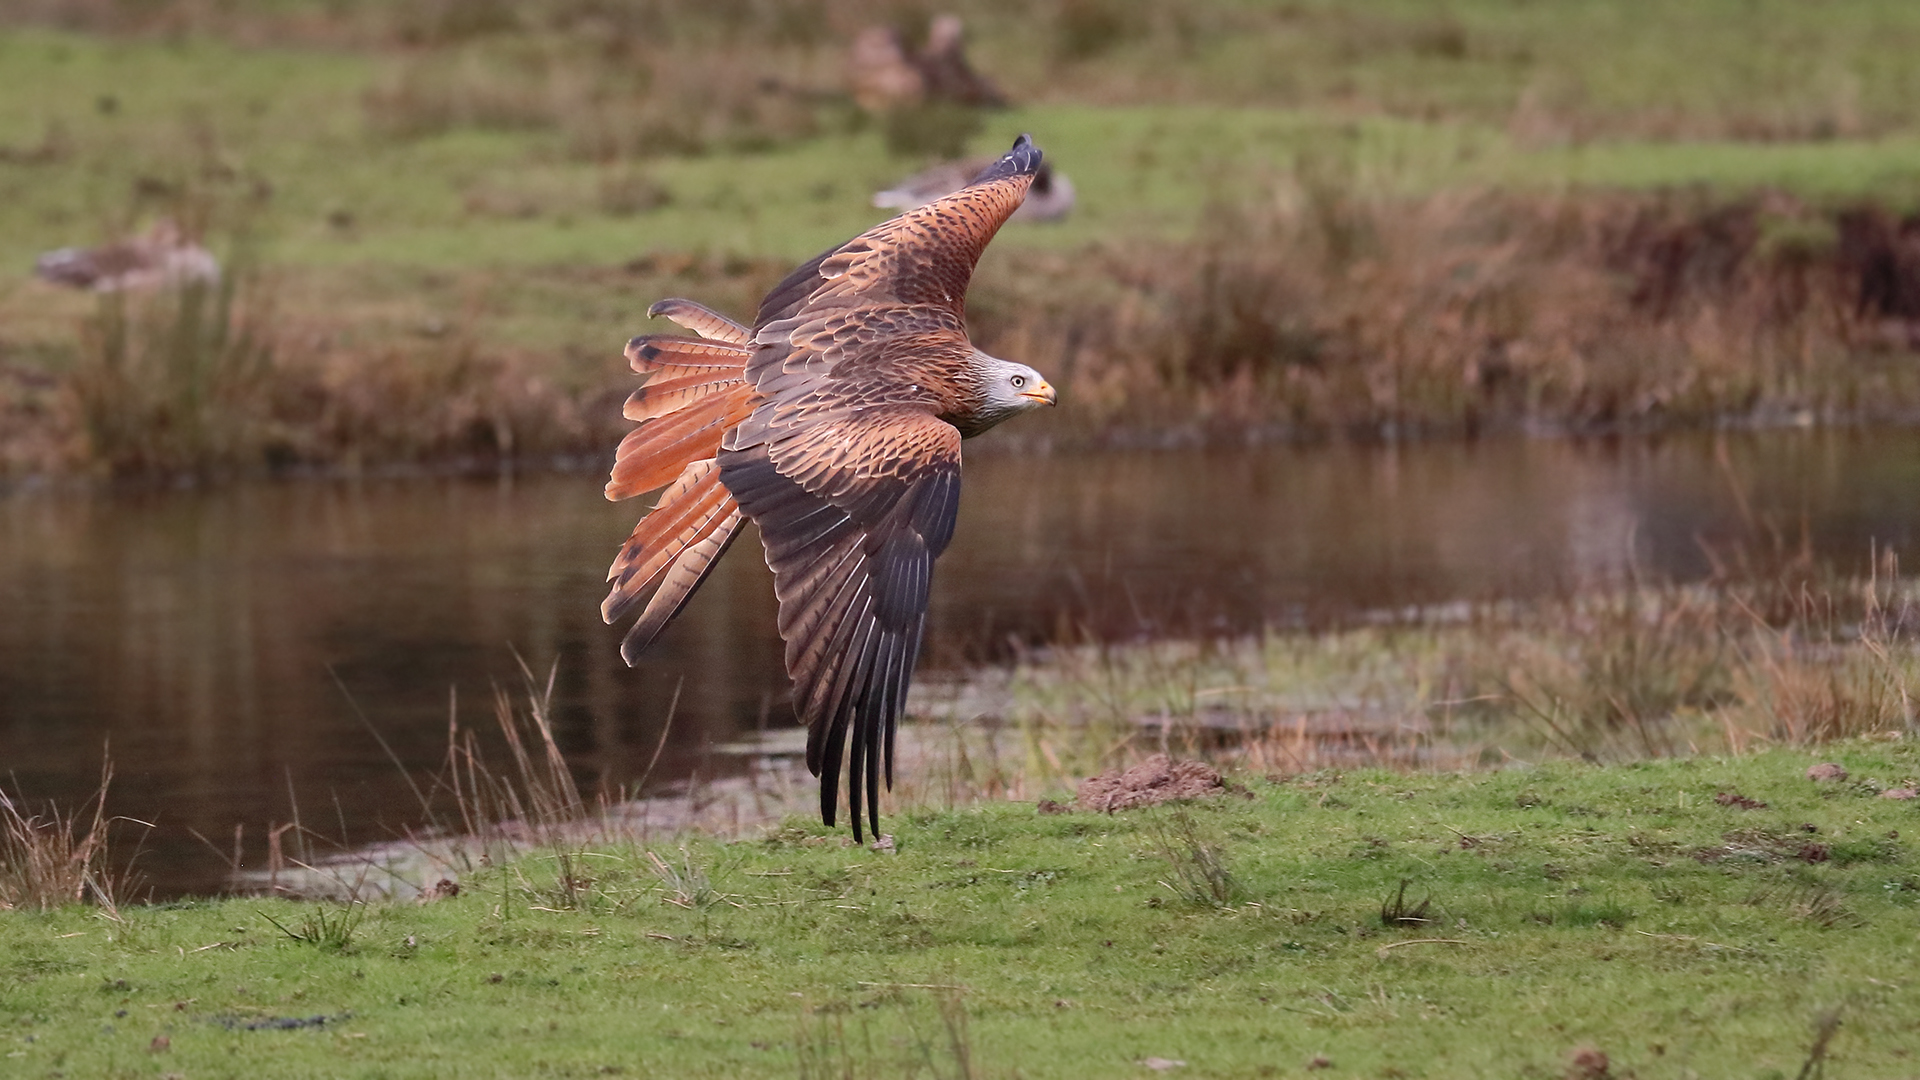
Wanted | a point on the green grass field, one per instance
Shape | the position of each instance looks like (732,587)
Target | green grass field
(1636,909)
(92,126)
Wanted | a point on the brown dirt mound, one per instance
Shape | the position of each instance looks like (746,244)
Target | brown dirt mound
(1154,781)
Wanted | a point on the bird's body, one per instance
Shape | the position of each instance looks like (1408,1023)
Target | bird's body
(834,423)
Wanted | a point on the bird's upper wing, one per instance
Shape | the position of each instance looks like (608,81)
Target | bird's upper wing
(853,511)
(924,256)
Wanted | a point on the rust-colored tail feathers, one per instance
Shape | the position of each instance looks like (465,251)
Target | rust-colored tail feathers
(697,389)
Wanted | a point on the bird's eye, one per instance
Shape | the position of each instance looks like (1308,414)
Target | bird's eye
(1019,381)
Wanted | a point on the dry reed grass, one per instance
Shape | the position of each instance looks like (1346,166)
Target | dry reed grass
(478,811)
(1325,310)
(1785,651)
(215,381)
(172,382)
(1613,670)
(223,378)
(537,797)
(1844,668)
(55,858)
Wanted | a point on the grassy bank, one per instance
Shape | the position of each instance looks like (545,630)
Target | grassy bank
(1605,676)
(1557,876)
(1656,913)
(1296,221)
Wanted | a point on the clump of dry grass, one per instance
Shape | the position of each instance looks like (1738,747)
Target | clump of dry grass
(1846,667)
(213,380)
(537,796)
(1276,703)
(1776,648)
(1196,858)
(1618,666)
(54,858)
(480,811)
(172,382)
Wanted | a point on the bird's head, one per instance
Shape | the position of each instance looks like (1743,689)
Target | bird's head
(1008,389)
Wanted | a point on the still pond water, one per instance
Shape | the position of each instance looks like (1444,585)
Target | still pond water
(227,643)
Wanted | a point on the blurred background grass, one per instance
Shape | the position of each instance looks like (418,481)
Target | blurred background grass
(443,218)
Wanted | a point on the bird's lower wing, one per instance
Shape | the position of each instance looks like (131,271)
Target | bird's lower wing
(852,511)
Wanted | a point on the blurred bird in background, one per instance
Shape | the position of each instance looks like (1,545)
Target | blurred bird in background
(884,74)
(160,257)
(1049,199)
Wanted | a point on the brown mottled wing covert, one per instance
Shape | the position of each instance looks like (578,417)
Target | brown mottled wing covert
(849,470)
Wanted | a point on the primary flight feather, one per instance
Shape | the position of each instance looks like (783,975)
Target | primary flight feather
(834,424)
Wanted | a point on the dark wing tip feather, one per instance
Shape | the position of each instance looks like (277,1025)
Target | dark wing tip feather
(1022,160)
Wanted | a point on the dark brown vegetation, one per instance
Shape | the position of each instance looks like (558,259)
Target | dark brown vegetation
(208,381)
(1319,315)
(1324,313)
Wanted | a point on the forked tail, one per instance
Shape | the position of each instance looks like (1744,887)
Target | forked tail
(696,390)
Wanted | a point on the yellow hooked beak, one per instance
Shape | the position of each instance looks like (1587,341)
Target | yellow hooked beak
(1042,393)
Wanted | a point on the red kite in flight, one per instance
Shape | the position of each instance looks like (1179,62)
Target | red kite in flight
(835,424)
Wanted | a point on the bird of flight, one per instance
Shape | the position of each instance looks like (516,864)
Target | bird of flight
(834,424)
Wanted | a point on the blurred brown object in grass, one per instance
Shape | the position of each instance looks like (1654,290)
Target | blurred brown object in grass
(884,74)
(160,257)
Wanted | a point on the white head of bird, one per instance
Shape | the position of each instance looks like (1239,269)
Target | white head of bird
(1008,389)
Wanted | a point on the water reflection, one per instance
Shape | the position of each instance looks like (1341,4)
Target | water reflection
(234,646)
